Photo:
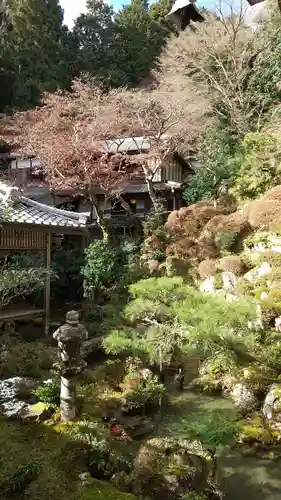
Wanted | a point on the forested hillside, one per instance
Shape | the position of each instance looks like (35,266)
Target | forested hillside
(39,53)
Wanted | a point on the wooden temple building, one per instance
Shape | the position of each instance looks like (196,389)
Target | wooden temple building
(26,226)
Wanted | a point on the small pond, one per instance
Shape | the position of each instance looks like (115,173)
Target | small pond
(242,476)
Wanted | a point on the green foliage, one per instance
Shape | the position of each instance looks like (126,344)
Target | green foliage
(20,480)
(48,393)
(159,255)
(224,240)
(194,495)
(257,431)
(103,462)
(27,360)
(168,318)
(17,281)
(217,152)
(139,391)
(67,265)
(259,165)
(37,51)
(120,49)
(265,76)
(256,238)
(212,428)
(154,222)
(220,364)
(104,266)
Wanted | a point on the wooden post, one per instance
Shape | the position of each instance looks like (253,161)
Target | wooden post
(48,283)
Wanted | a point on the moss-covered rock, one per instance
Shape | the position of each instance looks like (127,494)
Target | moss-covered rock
(167,468)
(272,404)
(255,430)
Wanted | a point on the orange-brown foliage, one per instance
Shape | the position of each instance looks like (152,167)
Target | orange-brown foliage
(207,268)
(273,194)
(232,263)
(191,250)
(265,214)
(188,221)
(233,223)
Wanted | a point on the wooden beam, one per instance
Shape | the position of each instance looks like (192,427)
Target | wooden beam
(48,283)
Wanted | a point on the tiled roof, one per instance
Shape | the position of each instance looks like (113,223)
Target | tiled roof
(127,144)
(21,210)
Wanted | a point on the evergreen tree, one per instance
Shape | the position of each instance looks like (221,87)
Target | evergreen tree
(37,50)
(95,33)
(119,50)
(142,36)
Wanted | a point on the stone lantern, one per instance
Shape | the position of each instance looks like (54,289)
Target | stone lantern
(70,364)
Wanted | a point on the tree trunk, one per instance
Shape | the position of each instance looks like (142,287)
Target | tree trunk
(152,193)
(94,204)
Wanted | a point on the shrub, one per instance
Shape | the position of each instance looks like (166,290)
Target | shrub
(104,265)
(232,263)
(189,221)
(177,267)
(217,151)
(67,265)
(259,165)
(225,240)
(158,255)
(257,430)
(167,319)
(212,428)
(273,194)
(220,364)
(260,377)
(28,360)
(141,391)
(207,268)
(225,229)
(191,250)
(48,393)
(256,238)
(265,215)
(15,486)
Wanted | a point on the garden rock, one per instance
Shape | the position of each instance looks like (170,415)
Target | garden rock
(278,324)
(86,478)
(229,281)
(39,411)
(244,399)
(272,404)
(167,468)
(258,272)
(208,285)
(90,346)
(10,402)
(137,427)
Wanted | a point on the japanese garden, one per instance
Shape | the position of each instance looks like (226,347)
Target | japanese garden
(140,248)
